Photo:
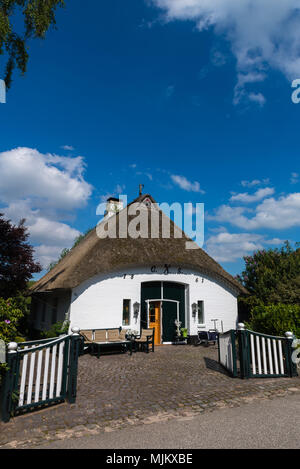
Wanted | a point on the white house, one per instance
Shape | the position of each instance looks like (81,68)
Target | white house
(138,282)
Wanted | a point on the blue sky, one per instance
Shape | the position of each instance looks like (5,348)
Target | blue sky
(189,97)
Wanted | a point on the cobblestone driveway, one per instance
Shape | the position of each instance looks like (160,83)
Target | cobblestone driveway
(119,390)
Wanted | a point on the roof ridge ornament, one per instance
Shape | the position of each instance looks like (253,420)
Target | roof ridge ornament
(141,187)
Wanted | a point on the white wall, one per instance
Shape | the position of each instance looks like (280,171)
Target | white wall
(98,302)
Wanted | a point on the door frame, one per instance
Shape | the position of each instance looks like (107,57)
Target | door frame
(160,300)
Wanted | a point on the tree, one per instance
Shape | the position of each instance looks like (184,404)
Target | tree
(271,277)
(10,316)
(17,263)
(38,16)
(275,319)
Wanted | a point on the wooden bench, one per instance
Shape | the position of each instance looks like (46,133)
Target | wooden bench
(95,339)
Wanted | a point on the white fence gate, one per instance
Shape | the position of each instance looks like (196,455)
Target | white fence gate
(259,355)
(39,374)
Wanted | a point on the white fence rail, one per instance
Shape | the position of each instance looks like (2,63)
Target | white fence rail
(268,355)
(259,355)
(227,351)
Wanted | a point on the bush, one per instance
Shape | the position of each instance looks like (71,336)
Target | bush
(275,319)
(10,316)
(56,330)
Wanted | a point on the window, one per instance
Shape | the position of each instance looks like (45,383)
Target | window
(54,311)
(126,313)
(151,313)
(200,312)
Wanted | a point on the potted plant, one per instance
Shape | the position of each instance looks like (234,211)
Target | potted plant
(184,332)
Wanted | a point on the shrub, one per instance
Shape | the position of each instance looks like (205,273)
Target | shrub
(56,330)
(275,319)
(10,316)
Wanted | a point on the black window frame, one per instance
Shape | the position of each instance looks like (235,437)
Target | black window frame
(127,312)
(200,310)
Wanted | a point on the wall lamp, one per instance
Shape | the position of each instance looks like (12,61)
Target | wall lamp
(194,310)
(136,309)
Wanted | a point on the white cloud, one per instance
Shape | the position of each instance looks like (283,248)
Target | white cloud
(257,98)
(56,180)
(217,57)
(141,173)
(119,190)
(279,214)
(44,189)
(261,33)
(248,198)
(53,235)
(228,247)
(233,215)
(275,241)
(294,178)
(47,254)
(186,185)
(68,147)
(255,182)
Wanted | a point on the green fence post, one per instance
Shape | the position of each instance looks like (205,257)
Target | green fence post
(7,385)
(243,351)
(234,357)
(291,364)
(75,340)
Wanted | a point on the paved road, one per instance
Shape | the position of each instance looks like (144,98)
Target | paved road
(267,424)
(122,392)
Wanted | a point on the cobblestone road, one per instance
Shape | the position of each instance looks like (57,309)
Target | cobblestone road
(118,391)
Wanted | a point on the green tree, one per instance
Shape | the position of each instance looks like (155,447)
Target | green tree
(271,277)
(38,16)
(275,319)
(10,316)
(56,330)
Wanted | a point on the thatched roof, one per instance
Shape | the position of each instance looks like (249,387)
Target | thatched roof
(93,256)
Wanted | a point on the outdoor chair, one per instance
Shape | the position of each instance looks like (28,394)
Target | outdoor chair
(122,335)
(86,341)
(100,336)
(114,335)
(87,335)
(110,339)
(146,338)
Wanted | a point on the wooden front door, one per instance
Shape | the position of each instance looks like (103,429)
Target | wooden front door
(155,320)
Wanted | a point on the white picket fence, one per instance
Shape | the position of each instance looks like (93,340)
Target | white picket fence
(40,373)
(227,353)
(267,355)
(259,355)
